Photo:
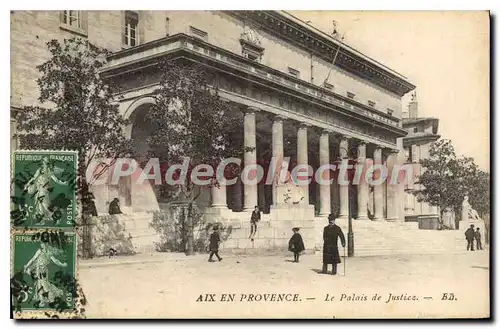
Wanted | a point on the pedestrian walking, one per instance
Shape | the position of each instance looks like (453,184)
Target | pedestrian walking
(214,244)
(296,244)
(254,219)
(477,235)
(469,236)
(331,233)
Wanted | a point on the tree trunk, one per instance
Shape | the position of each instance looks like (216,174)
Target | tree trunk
(189,229)
(458,216)
(486,219)
(440,219)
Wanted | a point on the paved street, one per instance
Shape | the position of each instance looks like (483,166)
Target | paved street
(168,285)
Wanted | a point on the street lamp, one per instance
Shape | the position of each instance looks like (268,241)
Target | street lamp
(350,233)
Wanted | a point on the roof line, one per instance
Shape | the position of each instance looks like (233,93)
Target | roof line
(357,52)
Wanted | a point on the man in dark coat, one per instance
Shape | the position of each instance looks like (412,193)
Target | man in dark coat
(214,244)
(331,233)
(469,236)
(296,244)
(114,207)
(254,219)
(477,235)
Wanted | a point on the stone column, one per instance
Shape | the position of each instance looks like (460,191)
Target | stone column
(362,185)
(393,198)
(219,196)
(250,157)
(278,153)
(324,159)
(344,188)
(302,158)
(378,192)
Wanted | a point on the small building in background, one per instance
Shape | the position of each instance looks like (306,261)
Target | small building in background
(422,131)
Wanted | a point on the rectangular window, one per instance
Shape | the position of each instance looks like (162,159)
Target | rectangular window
(351,95)
(73,21)
(131,36)
(390,112)
(167,26)
(71,18)
(252,57)
(328,86)
(293,72)
(371,103)
(198,33)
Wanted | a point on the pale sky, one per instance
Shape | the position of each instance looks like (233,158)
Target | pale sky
(445,54)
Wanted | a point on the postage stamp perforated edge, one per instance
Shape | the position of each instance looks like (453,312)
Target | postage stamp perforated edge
(76,197)
(47,313)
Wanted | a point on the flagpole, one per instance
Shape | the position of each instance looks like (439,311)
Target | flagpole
(335,57)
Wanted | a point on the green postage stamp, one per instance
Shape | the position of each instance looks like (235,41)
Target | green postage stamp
(43,271)
(44,189)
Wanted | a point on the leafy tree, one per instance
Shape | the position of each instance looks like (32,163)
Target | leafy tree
(79,110)
(189,119)
(446,178)
(479,198)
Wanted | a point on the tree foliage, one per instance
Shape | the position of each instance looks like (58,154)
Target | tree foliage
(448,178)
(189,119)
(78,109)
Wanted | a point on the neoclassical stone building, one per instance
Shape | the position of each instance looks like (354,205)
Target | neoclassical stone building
(278,75)
(422,132)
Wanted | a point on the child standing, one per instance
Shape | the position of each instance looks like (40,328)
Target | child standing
(296,245)
(214,244)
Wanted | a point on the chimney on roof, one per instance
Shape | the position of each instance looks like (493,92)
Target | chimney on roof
(413,106)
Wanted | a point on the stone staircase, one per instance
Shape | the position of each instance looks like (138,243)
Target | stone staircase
(371,238)
(388,238)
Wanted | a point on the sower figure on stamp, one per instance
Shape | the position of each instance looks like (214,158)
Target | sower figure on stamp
(296,244)
(214,244)
(469,236)
(38,266)
(253,222)
(39,186)
(331,233)
(477,235)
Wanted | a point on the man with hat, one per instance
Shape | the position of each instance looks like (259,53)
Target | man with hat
(469,236)
(331,233)
(214,244)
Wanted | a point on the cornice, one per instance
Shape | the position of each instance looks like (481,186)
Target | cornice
(408,140)
(324,47)
(181,45)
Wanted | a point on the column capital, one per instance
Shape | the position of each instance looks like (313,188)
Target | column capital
(304,125)
(390,150)
(324,131)
(343,137)
(251,110)
(277,117)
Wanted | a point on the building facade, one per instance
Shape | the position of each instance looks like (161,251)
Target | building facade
(422,132)
(277,73)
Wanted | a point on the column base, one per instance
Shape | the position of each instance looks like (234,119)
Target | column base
(378,219)
(248,209)
(392,219)
(324,215)
(363,218)
(219,206)
(343,217)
